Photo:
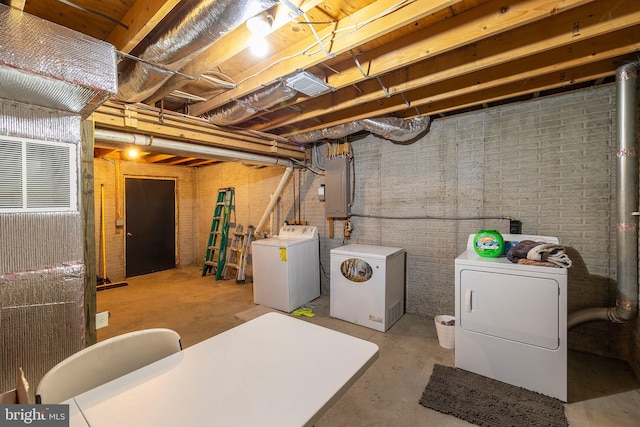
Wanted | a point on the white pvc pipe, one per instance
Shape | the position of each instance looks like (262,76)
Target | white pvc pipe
(274,199)
(114,139)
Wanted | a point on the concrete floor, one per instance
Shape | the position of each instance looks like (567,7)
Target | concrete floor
(602,392)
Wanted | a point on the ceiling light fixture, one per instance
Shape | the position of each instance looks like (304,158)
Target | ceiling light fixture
(260,24)
(132,153)
(260,27)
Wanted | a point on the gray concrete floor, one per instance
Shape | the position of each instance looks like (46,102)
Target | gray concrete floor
(602,392)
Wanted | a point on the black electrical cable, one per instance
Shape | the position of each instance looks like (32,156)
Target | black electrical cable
(84,9)
(446,218)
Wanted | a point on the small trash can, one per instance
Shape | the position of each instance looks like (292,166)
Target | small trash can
(446,330)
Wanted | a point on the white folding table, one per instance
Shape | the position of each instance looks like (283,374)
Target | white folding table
(75,416)
(274,370)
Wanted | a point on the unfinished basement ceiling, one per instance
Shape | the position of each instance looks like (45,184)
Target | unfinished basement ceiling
(383,58)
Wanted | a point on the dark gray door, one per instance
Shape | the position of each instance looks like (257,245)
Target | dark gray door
(151,222)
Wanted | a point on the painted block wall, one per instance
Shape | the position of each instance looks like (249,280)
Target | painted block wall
(105,173)
(549,163)
(253,187)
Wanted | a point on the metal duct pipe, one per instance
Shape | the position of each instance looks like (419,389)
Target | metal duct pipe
(392,128)
(205,23)
(627,199)
(275,198)
(243,108)
(51,66)
(113,139)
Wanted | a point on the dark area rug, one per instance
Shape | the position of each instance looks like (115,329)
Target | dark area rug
(487,402)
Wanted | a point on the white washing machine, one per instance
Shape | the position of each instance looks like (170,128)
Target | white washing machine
(511,320)
(286,268)
(367,285)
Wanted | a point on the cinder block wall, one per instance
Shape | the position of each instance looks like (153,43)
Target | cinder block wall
(253,188)
(549,163)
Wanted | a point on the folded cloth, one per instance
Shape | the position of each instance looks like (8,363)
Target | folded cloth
(304,311)
(550,252)
(520,250)
(538,263)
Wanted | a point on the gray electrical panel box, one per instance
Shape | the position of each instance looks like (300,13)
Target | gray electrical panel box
(337,187)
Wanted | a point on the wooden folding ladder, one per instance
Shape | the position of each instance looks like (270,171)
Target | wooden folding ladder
(239,253)
(234,252)
(244,254)
(216,253)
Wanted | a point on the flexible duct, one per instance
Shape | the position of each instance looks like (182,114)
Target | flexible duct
(627,199)
(243,108)
(205,23)
(118,140)
(392,128)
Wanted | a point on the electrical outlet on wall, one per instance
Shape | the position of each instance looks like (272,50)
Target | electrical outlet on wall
(102,319)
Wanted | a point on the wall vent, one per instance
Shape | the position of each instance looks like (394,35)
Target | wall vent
(37,176)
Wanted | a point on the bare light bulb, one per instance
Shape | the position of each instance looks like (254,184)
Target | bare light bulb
(132,153)
(258,46)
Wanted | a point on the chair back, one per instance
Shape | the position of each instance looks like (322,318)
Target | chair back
(105,361)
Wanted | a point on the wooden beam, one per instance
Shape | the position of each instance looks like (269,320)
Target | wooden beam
(547,82)
(382,18)
(88,230)
(152,158)
(143,16)
(117,116)
(468,97)
(179,160)
(498,50)
(16,4)
(202,162)
(227,47)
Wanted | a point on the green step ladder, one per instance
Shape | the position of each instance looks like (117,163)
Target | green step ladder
(216,254)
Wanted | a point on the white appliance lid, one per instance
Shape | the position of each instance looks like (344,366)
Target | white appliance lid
(290,235)
(471,258)
(371,251)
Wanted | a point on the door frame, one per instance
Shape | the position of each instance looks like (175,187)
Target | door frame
(175,226)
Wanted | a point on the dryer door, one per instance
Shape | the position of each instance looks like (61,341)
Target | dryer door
(510,306)
(358,290)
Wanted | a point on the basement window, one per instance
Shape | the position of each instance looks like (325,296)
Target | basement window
(37,176)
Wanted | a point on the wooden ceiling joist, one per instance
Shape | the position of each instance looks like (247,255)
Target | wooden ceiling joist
(146,121)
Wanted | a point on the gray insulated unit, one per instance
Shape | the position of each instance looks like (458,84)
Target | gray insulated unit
(51,66)
(337,187)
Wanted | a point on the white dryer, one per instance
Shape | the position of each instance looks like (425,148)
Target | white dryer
(511,320)
(286,268)
(367,285)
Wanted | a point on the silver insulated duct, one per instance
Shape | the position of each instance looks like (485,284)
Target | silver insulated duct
(243,108)
(392,128)
(627,199)
(190,34)
(54,67)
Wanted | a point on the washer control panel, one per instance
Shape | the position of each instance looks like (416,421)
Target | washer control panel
(299,231)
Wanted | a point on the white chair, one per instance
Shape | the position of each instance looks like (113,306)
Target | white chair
(105,361)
